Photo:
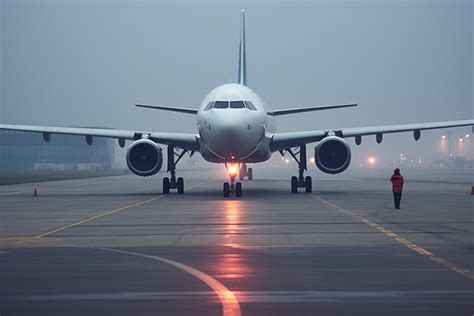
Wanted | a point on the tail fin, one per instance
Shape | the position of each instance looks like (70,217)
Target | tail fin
(242,56)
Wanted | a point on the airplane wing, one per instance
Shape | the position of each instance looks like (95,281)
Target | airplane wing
(185,141)
(168,108)
(308,109)
(286,140)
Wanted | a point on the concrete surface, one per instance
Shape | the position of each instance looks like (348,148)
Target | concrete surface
(116,246)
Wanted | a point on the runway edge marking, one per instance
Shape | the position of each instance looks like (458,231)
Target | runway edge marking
(230,304)
(91,218)
(407,243)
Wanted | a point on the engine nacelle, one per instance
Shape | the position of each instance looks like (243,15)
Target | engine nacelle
(332,155)
(144,157)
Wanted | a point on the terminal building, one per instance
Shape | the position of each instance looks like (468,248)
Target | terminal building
(24,151)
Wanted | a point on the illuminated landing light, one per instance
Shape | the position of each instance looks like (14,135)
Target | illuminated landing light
(232,169)
(311,160)
(443,137)
(371,160)
(287,161)
(467,135)
(460,140)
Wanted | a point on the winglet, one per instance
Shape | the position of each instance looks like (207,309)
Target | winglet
(242,55)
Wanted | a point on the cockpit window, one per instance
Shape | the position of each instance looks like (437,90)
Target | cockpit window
(209,106)
(221,105)
(249,105)
(237,104)
(231,104)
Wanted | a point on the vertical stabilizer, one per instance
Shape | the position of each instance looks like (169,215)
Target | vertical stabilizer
(242,56)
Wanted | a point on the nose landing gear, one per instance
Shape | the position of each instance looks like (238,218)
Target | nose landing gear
(232,186)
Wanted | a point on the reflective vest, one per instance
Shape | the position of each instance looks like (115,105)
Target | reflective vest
(397,183)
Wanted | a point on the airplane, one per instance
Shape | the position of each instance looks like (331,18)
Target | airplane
(236,128)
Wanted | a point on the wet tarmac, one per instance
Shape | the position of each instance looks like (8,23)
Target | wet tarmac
(116,246)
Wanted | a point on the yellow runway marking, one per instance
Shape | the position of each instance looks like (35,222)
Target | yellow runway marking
(230,305)
(407,243)
(88,219)
(91,218)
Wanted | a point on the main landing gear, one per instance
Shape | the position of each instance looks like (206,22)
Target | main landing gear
(245,172)
(232,169)
(300,181)
(172,182)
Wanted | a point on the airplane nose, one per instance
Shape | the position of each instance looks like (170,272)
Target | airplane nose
(231,135)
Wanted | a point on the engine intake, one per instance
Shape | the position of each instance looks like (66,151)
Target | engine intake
(332,155)
(144,157)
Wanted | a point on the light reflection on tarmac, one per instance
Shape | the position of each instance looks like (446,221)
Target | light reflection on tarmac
(275,253)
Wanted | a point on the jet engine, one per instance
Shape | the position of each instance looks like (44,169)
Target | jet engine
(144,157)
(332,155)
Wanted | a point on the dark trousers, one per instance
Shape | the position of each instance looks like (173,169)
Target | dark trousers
(397,196)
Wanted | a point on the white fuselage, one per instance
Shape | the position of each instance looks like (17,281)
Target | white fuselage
(231,129)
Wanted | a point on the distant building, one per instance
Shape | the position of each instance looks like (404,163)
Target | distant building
(23,151)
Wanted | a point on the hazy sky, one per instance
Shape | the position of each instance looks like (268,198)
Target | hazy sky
(87,62)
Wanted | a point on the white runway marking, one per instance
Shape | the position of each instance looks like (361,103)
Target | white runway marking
(230,305)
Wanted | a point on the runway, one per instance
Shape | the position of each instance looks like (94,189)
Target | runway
(116,246)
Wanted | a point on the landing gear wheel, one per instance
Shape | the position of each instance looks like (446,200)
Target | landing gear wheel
(250,174)
(238,189)
(180,185)
(294,184)
(226,189)
(166,185)
(308,184)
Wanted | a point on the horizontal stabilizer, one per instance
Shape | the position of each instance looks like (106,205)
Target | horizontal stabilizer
(308,109)
(168,108)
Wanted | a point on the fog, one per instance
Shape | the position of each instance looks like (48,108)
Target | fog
(86,63)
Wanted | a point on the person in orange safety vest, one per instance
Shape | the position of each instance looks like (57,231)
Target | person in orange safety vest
(397,187)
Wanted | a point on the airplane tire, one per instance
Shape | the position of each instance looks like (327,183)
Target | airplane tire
(308,184)
(166,185)
(294,184)
(180,185)
(226,189)
(238,189)
(250,173)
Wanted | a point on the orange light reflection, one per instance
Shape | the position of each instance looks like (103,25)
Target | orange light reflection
(233,265)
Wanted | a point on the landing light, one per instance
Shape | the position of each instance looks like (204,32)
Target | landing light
(232,169)
(311,159)
(371,160)
(467,135)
